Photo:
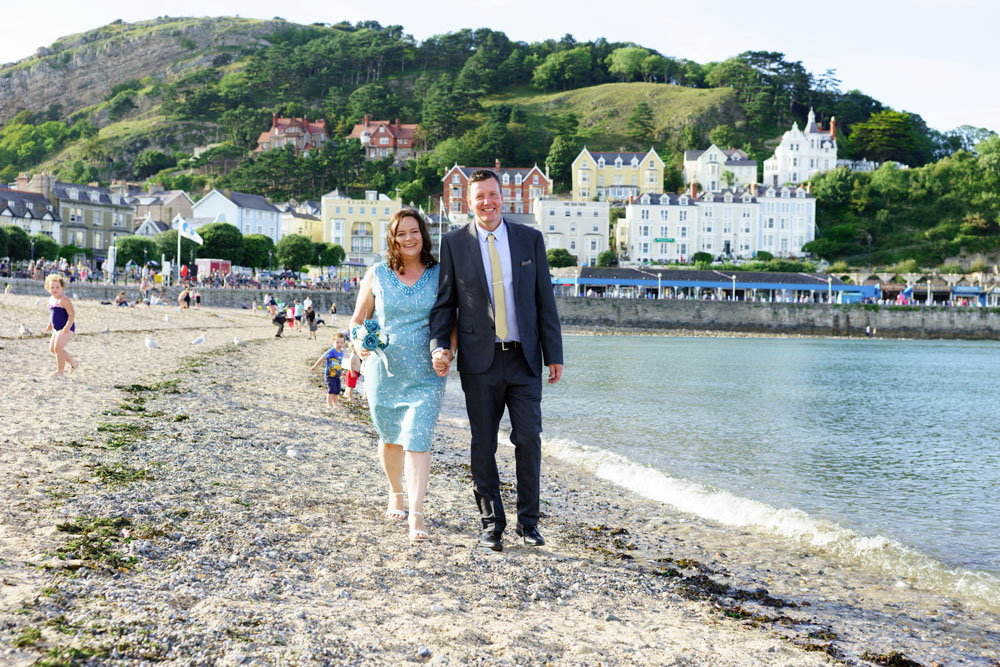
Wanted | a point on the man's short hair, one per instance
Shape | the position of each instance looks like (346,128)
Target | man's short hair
(482,175)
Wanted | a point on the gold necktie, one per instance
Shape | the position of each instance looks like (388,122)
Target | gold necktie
(499,304)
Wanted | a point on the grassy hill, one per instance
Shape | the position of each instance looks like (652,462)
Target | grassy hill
(604,110)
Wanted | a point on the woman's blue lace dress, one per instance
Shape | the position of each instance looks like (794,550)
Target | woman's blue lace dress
(404,407)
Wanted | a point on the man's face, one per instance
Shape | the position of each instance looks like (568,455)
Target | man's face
(486,202)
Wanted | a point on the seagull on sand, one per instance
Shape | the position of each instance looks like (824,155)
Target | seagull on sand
(8,289)
(199,340)
(107,329)
(166,318)
(37,301)
(75,297)
(238,342)
(150,343)
(23,331)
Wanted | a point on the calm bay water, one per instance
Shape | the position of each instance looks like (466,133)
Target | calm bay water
(883,453)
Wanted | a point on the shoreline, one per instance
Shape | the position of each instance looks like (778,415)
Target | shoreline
(256,528)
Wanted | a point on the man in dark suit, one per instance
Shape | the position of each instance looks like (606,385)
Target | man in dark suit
(495,284)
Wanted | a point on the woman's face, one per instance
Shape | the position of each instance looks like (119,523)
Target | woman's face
(408,238)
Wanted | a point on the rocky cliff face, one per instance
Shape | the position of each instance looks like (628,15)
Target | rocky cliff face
(80,70)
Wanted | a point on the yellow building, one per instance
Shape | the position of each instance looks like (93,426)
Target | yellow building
(358,225)
(294,221)
(616,176)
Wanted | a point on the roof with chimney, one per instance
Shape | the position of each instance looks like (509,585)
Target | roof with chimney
(394,129)
(512,172)
(26,205)
(89,194)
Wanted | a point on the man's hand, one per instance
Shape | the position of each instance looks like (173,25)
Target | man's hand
(442,361)
(555,372)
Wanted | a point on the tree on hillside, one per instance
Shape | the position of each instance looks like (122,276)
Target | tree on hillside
(130,248)
(560,257)
(656,68)
(626,62)
(563,70)
(295,251)
(606,258)
(255,250)
(641,127)
(560,161)
(222,241)
(888,135)
(833,189)
(151,162)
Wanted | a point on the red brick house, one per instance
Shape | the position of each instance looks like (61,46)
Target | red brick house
(302,133)
(521,187)
(381,138)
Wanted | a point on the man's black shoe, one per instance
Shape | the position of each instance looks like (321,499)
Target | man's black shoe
(491,540)
(532,537)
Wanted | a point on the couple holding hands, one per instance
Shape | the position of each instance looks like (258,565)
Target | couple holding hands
(489,301)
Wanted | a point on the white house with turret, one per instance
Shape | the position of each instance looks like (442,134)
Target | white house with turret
(802,153)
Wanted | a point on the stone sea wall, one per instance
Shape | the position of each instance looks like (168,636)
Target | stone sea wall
(782,318)
(595,313)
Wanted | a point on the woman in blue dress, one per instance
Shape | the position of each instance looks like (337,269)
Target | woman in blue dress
(405,399)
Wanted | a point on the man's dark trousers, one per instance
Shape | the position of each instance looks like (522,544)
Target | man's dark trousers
(507,382)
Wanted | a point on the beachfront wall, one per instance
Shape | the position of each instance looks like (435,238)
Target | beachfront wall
(781,318)
(656,314)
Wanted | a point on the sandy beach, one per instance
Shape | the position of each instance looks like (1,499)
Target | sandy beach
(200,504)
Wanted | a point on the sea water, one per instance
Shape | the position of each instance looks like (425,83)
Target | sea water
(883,454)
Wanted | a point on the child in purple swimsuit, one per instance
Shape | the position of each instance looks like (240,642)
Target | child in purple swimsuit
(61,324)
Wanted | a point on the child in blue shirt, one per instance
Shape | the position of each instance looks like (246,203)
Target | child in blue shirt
(334,358)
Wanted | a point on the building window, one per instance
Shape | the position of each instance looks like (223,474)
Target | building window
(683,232)
(383,141)
(506,179)
(643,230)
(534,179)
(572,244)
(454,178)
(644,214)
(683,216)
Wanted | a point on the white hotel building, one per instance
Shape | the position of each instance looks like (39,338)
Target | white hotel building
(731,223)
(581,227)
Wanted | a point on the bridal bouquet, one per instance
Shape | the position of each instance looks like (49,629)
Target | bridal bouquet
(373,339)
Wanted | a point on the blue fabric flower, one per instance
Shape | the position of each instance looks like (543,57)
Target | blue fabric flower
(371,341)
(371,325)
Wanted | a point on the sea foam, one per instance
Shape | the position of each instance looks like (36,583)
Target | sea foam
(877,554)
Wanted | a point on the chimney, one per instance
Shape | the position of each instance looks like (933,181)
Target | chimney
(833,128)
(396,124)
(22,181)
(753,190)
(274,119)
(694,189)
(365,121)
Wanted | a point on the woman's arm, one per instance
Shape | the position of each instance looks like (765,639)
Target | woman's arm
(364,307)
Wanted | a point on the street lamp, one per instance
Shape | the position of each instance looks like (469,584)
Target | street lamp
(114,264)
(32,250)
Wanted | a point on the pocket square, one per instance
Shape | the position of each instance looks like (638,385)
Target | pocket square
(525,262)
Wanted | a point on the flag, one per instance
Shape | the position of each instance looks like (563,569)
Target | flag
(908,292)
(187,231)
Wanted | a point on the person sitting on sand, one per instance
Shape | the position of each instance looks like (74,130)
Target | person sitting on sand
(62,323)
(120,300)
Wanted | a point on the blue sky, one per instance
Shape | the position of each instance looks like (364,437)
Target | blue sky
(934,58)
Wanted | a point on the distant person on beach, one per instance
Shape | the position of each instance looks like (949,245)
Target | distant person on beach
(121,300)
(184,298)
(62,324)
(290,316)
(495,285)
(333,308)
(334,358)
(279,321)
(197,299)
(405,398)
(311,322)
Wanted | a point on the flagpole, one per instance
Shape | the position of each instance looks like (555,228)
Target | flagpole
(178,253)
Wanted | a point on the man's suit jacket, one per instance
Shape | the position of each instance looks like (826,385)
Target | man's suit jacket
(464,287)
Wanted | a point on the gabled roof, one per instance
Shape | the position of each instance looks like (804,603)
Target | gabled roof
(311,126)
(734,157)
(373,127)
(244,200)
(27,205)
(510,171)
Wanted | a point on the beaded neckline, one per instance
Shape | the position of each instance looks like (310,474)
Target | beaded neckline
(408,289)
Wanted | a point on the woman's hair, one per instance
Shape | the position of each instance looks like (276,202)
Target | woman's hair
(392,256)
(54,278)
